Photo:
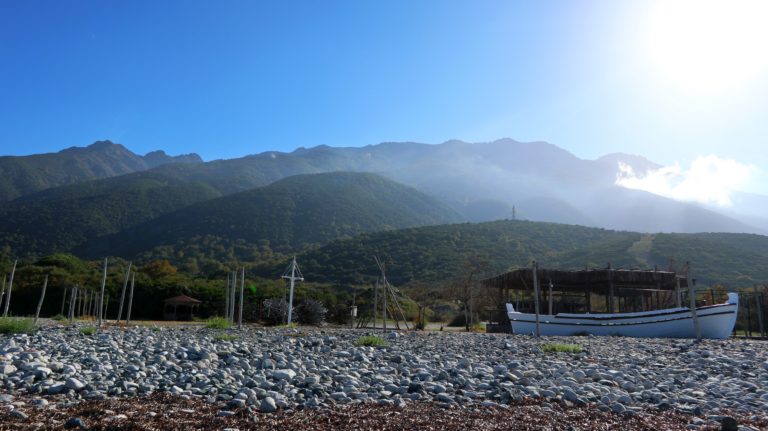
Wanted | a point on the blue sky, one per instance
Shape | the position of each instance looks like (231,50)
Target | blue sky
(229,78)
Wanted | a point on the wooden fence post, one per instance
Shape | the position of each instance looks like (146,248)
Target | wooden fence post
(101,295)
(122,293)
(42,297)
(130,299)
(242,288)
(10,288)
(692,290)
(536,293)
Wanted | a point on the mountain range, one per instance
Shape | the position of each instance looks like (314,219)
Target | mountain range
(22,175)
(106,200)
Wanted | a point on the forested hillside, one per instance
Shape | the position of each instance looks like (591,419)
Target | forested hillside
(285,217)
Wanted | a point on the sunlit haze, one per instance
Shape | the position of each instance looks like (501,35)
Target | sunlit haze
(708,180)
(709,47)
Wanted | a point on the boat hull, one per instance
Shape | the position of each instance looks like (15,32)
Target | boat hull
(715,321)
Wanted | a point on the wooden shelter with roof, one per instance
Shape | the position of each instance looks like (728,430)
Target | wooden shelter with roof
(603,290)
(180,307)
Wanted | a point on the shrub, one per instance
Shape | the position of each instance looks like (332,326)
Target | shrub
(276,311)
(477,327)
(370,340)
(88,330)
(560,347)
(225,337)
(312,312)
(217,323)
(59,317)
(10,325)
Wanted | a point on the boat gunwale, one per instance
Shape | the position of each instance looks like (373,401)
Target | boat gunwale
(548,322)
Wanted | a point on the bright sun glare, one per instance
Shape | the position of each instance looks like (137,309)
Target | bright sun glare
(709,46)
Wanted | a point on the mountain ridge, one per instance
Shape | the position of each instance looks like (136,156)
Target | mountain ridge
(23,175)
(481,181)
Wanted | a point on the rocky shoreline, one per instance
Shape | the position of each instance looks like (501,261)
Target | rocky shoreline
(258,376)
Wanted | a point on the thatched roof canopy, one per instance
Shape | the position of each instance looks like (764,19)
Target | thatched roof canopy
(182,300)
(585,280)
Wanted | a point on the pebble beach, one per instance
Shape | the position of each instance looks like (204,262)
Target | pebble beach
(194,378)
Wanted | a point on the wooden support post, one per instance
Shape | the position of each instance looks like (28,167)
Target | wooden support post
(549,297)
(692,290)
(10,289)
(759,303)
(226,299)
(240,313)
(384,307)
(748,331)
(42,297)
(375,302)
(232,298)
(122,293)
(536,294)
(101,295)
(397,304)
(63,300)
(588,300)
(72,296)
(678,293)
(130,299)
(2,293)
(81,303)
(610,288)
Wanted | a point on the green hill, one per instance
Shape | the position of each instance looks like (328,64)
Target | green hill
(287,216)
(62,218)
(437,253)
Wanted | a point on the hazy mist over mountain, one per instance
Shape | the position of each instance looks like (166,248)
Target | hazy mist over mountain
(502,179)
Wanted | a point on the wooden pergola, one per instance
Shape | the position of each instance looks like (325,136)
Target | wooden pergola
(171,307)
(603,290)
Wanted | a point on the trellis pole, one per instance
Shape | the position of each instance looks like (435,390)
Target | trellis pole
(10,289)
(130,299)
(101,295)
(692,295)
(240,313)
(42,297)
(122,294)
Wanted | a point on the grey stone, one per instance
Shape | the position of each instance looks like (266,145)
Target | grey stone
(18,414)
(73,383)
(284,374)
(268,405)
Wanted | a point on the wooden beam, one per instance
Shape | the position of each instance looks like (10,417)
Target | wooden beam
(10,288)
(122,293)
(610,288)
(692,290)
(101,295)
(536,293)
(130,299)
(42,297)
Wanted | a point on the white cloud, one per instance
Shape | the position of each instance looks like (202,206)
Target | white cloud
(709,180)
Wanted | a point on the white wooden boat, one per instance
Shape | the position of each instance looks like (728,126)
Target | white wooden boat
(715,321)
